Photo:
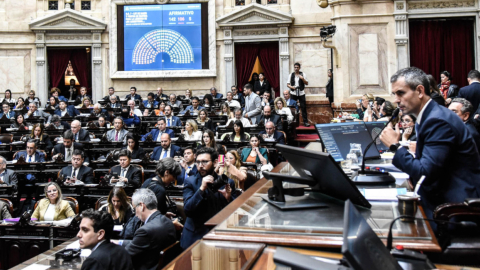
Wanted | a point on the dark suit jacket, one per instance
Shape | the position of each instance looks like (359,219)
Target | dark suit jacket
(134,175)
(446,154)
(83,135)
(138,153)
(108,256)
(10,179)
(292,102)
(39,156)
(137,97)
(46,140)
(60,149)
(473,131)
(175,121)
(277,120)
(218,95)
(107,98)
(157,98)
(181,178)
(157,151)
(146,104)
(265,87)
(71,110)
(329,88)
(156,235)
(85,174)
(199,207)
(155,133)
(471,93)
(279,138)
(158,188)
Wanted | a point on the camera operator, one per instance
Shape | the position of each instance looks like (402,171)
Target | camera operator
(296,82)
(204,195)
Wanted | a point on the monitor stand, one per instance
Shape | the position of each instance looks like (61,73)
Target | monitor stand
(307,201)
(373,178)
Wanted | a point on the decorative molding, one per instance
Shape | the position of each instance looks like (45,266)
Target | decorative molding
(228,33)
(253,27)
(39,36)
(255,13)
(70,20)
(69,37)
(97,45)
(96,37)
(40,63)
(400,5)
(401,17)
(284,25)
(441,4)
(283,31)
(227,42)
(40,45)
(285,57)
(256,33)
(97,62)
(401,41)
(284,40)
(162,1)
(228,59)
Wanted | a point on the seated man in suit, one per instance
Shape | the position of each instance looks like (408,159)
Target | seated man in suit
(231,102)
(98,110)
(157,233)
(269,116)
(67,148)
(174,102)
(79,134)
(7,177)
(167,149)
(133,94)
(200,201)
(96,230)
(63,109)
(238,96)
(159,131)
(289,100)
(128,174)
(59,124)
(111,92)
(32,111)
(82,95)
(6,111)
(189,167)
(78,171)
(4,213)
(213,92)
(266,100)
(445,153)
(160,95)
(172,121)
(31,155)
(150,103)
(271,134)
(114,102)
(194,108)
(129,119)
(118,133)
(463,108)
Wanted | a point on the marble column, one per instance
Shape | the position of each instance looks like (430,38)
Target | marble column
(401,34)
(97,91)
(228,56)
(284,57)
(41,86)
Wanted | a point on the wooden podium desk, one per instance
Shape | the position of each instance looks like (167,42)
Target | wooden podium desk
(250,219)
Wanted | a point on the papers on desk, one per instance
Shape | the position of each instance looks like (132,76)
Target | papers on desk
(36,267)
(383,194)
(118,228)
(85,114)
(18,142)
(95,140)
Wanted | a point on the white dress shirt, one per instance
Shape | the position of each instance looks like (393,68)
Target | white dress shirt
(419,117)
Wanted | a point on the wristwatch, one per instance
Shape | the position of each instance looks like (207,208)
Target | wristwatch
(394,147)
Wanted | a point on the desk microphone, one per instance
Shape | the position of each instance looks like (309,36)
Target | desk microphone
(373,177)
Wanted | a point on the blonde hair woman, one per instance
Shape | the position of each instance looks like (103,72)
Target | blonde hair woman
(188,94)
(191,132)
(225,110)
(53,207)
(232,168)
(282,109)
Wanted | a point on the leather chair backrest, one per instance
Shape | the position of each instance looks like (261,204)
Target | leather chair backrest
(9,205)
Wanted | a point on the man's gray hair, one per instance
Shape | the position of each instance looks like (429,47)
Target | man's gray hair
(97,105)
(237,110)
(145,196)
(466,105)
(413,78)
(3,160)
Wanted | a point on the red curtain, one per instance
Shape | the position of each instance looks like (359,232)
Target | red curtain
(80,66)
(438,45)
(57,64)
(245,56)
(269,59)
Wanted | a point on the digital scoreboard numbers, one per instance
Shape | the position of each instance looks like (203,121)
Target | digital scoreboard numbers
(163,37)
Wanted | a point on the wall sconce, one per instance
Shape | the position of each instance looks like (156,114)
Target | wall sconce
(322,3)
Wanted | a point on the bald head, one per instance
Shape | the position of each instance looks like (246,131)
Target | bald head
(75,126)
(267,111)
(286,94)
(165,140)
(269,128)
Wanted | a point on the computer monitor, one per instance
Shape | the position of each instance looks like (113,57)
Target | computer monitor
(336,137)
(374,128)
(362,248)
(327,175)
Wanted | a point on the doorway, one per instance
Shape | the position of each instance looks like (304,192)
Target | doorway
(448,44)
(67,64)
(253,57)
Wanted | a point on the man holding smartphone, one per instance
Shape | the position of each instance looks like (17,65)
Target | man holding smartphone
(78,171)
(129,175)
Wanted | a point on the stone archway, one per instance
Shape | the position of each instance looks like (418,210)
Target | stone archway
(68,28)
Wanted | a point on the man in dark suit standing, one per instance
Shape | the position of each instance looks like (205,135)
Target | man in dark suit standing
(214,93)
(79,134)
(268,116)
(156,234)
(133,94)
(271,134)
(67,148)
(329,86)
(78,171)
(445,153)
(189,167)
(95,232)
(128,174)
(7,177)
(200,201)
(167,149)
(471,92)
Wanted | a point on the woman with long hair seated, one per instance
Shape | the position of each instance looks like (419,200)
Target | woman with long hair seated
(188,94)
(238,134)
(86,103)
(53,207)
(208,139)
(134,147)
(208,101)
(38,134)
(282,109)
(52,103)
(20,104)
(225,110)
(232,168)
(203,120)
(55,92)
(254,153)
(161,109)
(8,97)
(191,131)
(19,120)
(118,206)
(407,130)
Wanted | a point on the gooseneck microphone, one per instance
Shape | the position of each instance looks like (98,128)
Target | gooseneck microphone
(372,177)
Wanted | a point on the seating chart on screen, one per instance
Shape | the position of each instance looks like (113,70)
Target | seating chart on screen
(162,37)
